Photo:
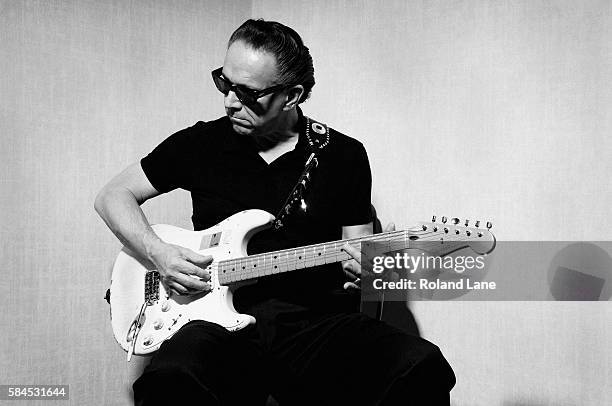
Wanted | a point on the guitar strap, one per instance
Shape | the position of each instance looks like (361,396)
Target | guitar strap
(317,136)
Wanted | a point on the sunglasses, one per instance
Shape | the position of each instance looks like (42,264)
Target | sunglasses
(247,96)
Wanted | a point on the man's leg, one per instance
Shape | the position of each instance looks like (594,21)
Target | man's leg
(353,359)
(202,362)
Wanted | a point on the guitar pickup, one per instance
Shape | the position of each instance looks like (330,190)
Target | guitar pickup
(151,287)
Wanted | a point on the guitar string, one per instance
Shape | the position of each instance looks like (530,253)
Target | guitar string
(286,264)
(252,265)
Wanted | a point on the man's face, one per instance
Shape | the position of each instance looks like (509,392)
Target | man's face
(255,70)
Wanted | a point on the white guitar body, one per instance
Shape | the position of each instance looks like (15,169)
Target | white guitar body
(166,315)
(143,315)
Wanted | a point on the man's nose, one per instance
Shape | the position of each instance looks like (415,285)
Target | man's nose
(231,101)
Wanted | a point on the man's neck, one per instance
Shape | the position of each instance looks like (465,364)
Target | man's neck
(285,132)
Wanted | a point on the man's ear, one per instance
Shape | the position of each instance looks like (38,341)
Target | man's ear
(294,94)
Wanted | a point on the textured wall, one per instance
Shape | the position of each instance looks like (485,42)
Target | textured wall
(87,87)
(497,110)
(494,110)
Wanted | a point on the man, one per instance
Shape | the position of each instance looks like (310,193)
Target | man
(309,345)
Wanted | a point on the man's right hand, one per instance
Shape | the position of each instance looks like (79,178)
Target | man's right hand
(182,271)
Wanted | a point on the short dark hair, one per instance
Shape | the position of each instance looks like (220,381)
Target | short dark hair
(293,58)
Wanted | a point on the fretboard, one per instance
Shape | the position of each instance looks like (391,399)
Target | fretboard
(271,263)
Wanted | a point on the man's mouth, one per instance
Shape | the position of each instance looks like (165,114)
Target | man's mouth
(240,121)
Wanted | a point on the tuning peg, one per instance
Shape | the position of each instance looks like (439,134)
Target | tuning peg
(303,205)
(477,223)
(444,219)
(455,220)
(433,219)
(467,222)
(489,225)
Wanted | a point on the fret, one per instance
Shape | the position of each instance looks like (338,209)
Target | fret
(245,267)
(253,270)
(309,257)
(242,266)
(250,267)
(270,264)
(339,253)
(261,266)
(282,261)
(291,256)
(274,262)
(318,253)
(221,271)
(265,265)
(230,271)
(300,262)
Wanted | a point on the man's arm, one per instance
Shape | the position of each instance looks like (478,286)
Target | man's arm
(118,203)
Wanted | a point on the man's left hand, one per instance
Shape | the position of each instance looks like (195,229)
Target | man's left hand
(353,267)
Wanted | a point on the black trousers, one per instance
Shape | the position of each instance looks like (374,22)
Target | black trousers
(338,359)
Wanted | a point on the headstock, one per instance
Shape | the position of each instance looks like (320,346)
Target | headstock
(481,240)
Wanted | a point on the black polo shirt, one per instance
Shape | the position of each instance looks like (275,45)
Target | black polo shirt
(225,175)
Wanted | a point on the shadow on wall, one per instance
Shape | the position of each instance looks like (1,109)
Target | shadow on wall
(581,271)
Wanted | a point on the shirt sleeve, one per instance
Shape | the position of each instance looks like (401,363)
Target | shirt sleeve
(167,166)
(357,203)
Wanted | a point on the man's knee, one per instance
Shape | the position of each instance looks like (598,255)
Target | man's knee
(425,380)
(203,360)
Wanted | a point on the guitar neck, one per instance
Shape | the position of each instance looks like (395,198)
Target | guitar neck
(272,263)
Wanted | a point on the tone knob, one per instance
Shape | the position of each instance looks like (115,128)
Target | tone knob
(158,324)
(165,306)
(147,341)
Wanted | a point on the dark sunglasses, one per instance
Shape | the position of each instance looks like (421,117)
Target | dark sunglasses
(247,96)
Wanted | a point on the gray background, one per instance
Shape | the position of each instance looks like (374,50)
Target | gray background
(491,110)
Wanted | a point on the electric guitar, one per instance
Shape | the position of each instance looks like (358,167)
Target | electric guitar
(144,315)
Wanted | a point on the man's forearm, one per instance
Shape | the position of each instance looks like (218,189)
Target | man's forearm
(123,215)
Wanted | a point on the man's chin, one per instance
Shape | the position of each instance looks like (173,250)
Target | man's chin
(241,129)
